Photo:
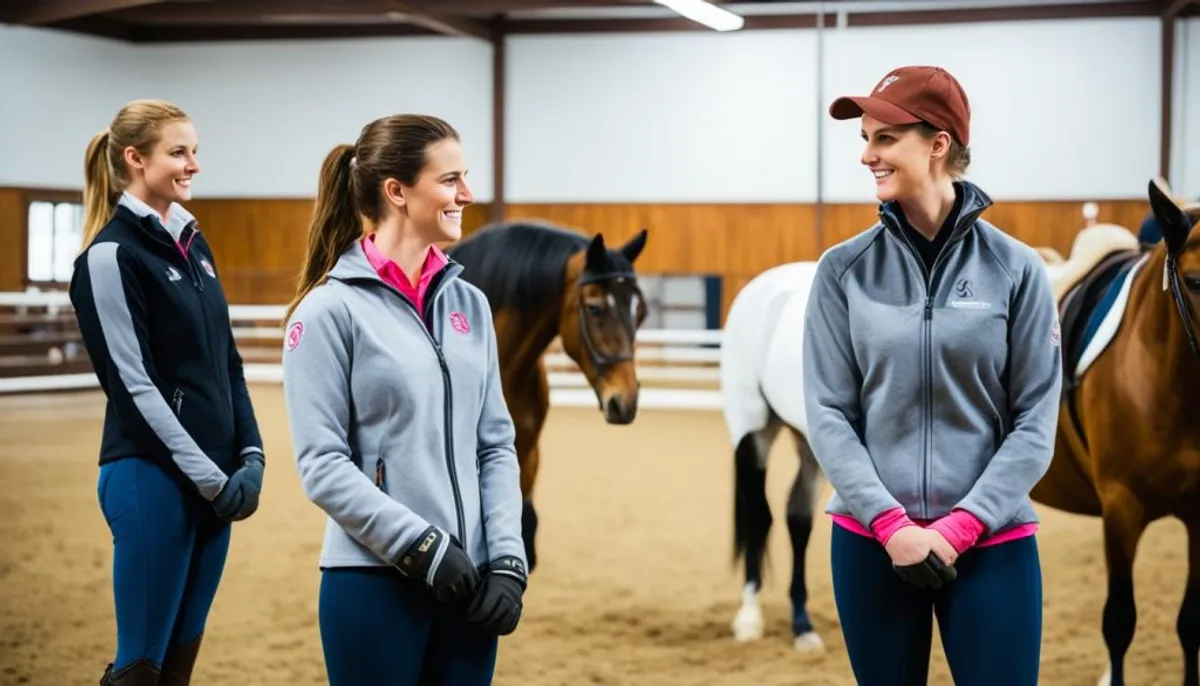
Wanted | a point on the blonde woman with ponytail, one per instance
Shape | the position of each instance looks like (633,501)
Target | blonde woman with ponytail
(181,456)
(398,420)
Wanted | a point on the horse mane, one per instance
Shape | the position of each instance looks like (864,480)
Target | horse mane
(518,265)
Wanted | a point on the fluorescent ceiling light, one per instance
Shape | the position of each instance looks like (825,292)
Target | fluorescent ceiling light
(702,12)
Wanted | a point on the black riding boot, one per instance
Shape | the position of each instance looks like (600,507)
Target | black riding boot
(177,666)
(139,673)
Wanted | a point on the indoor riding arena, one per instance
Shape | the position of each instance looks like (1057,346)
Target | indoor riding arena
(692,148)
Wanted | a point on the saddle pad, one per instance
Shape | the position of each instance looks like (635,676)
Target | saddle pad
(1104,321)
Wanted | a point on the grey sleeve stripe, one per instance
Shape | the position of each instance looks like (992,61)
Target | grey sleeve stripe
(120,337)
(251,449)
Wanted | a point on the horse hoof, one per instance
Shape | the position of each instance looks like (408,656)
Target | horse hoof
(807,642)
(1106,680)
(747,625)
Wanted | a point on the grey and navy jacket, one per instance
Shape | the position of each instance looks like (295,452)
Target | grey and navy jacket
(155,323)
(933,390)
(399,424)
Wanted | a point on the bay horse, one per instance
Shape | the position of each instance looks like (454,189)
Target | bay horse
(1128,444)
(544,281)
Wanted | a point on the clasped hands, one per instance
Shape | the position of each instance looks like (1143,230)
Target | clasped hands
(239,499)
(922,557)
(495,595)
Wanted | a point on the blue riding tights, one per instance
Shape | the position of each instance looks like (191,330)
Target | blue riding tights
(381,629)
(990,618)
(168,556)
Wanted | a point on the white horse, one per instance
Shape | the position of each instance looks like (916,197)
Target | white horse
(762,386)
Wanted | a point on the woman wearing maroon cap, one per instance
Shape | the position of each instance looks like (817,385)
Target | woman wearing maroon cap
(932,378)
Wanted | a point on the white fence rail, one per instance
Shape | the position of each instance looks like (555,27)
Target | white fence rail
(678,369)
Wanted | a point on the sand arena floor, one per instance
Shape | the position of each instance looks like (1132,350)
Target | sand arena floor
(635,583)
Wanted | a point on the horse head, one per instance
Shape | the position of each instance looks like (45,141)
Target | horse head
(1182,267)
(601,313)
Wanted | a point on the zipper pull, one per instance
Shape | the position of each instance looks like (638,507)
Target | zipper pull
(928,308)
(379,474)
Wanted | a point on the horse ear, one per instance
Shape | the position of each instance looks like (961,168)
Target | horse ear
(596,252)
(1171,218)
(634,246)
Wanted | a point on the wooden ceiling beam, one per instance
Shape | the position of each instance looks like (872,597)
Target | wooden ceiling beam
(240,12)
(446,25)
(42,12)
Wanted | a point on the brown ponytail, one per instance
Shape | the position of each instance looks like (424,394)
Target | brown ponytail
(99,195)
(335,225)
(392,147)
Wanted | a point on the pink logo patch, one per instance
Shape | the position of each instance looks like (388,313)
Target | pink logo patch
(293,335)
(208,267)
(459,321)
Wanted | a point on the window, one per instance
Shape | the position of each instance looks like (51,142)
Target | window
(55,234)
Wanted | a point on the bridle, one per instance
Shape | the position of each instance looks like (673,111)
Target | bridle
(1182,303)
(602,362)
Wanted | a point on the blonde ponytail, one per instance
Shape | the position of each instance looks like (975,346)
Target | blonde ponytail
(138,125)
(99,195)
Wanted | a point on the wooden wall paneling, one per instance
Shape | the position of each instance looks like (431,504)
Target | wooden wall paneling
(13,258)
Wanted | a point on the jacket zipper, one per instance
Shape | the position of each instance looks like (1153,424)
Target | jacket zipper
(448,412)
(930,284)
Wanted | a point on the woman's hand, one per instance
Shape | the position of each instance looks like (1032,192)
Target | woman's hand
(941,547)
(910,545)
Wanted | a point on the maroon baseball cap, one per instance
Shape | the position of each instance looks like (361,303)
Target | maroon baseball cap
(909,95)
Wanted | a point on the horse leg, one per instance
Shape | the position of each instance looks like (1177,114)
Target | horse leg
(529,404)
(1188,623)
(1124,522)
(752,523)
(529,519)
(800,508)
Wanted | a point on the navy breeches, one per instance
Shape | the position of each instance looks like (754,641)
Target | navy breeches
(990,618)
(380,628)
(168,555)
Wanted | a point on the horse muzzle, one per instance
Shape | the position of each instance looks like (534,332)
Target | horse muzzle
(620,408)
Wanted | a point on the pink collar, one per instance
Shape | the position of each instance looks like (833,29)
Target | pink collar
(391,272)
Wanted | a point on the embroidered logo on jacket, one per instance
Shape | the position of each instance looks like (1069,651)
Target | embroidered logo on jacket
(966,297)
(459,321)
(208,268)
(293,335)
(173,274)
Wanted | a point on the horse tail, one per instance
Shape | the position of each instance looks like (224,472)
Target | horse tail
(749,420)
(751,512)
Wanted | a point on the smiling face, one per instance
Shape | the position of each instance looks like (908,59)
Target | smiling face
(434,204)
(163,174)
(903,161)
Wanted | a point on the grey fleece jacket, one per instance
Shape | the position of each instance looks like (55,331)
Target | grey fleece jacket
(933,391)
(402,436)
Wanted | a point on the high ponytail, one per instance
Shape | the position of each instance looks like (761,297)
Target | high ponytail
(138,125)
(349,190)
(99,193)
(335,224)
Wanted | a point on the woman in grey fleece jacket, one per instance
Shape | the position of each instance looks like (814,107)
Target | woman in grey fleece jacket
(400,428)
(932,373)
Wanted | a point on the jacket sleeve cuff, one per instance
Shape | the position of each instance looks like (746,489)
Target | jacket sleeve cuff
(420,560)
(888,523)
(250,450)
(960,528)
(510,566)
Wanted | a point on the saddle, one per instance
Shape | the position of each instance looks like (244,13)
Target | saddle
(1086,303)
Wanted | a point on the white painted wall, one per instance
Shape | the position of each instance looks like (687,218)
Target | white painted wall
(1185,119)
(1063,109)
(269,112)
(671,117)
(57,90)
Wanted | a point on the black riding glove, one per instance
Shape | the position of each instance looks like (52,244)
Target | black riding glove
(455,576)
(497,607)
(253,466)
(929,573)
(239,499)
